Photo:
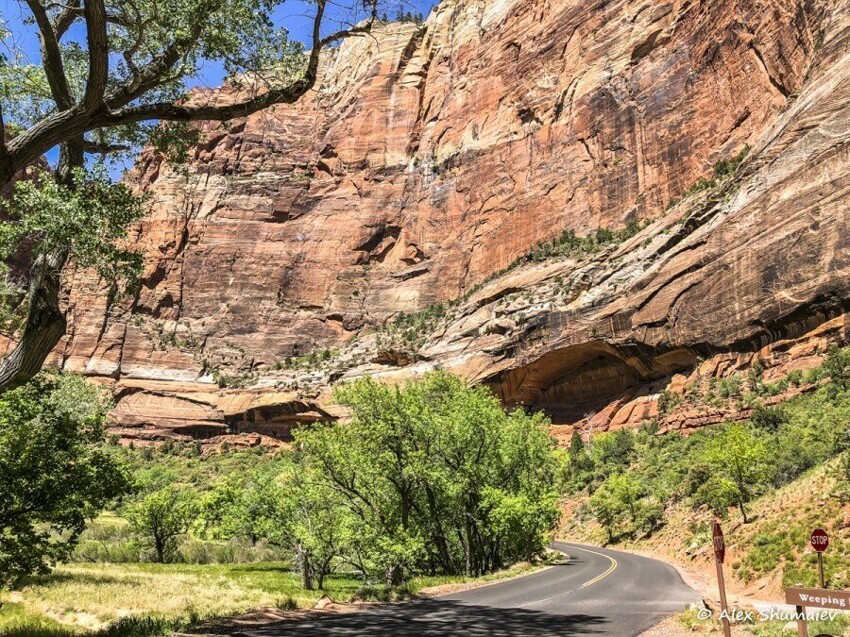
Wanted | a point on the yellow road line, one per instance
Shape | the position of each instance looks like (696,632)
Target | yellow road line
(603,575)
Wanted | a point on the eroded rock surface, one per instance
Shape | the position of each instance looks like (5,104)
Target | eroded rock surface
(432,157)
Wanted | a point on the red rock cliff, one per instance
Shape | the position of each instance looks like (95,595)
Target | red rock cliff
(432,157)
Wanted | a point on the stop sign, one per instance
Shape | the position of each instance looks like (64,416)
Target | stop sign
(819,540)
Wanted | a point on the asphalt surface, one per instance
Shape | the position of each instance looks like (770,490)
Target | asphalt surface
(598,592)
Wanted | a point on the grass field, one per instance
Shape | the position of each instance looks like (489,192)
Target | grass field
(88,597)
(140,600)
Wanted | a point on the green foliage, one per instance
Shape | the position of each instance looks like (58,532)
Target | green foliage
(837,368)
(569,244)
(769,419)
(612,450)
(88,221)
(314,360)
(844,470)
(407,332)
(613,503)
(433,474)
(174,140)
(13,304)
(430,477)
(718,467)
(54,471)
(729,387)
(241,35)
(667,402)
(721,171)
(725,168)
(738,460)
(408,16)
(241,379)
(162,516)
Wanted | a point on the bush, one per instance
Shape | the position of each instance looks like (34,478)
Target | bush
(720,466)
(769,419)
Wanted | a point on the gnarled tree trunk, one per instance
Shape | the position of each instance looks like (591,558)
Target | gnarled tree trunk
(45,323)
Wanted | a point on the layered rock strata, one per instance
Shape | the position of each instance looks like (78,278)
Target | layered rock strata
(432,157)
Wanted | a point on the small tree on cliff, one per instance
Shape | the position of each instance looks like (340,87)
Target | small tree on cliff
(109,71)
(740,463)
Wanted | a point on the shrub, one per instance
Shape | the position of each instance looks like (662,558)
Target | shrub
(769,419)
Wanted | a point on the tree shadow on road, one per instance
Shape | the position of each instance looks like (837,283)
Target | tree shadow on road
(426,618)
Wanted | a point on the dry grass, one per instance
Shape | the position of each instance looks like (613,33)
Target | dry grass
(92,596)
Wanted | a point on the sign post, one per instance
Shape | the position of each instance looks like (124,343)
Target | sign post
(719,556)
(801,598)
(820,542)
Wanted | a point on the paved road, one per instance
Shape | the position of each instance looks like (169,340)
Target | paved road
(599,592)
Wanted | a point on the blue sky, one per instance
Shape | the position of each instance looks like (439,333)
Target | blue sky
(294,15)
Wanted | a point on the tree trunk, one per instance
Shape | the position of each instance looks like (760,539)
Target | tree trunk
(395,575)
(743,511)
(159,545)
(302,559)
(439,538)
(45,324)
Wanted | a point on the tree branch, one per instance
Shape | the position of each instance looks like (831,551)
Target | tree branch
(98,44)
(65,19)
(4,152)
(280,95)
(51,57)
(148,77)
(103,148)
(64,125)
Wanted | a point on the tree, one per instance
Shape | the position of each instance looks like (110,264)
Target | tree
(54,472)
(577,447)
(285,505)
(580,462)
(435,476)
(162,516)
(768,419)
(84,217)
(739,461)
(837,368)
(616,502)
(323,530)
(223,512)
(120,86)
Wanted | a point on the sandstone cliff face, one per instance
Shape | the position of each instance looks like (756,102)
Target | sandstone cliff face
(430,158)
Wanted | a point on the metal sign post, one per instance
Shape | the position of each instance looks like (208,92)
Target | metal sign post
(801,598)
(719,556)
(820,542)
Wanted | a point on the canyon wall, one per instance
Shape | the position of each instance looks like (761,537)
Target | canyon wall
(431,157)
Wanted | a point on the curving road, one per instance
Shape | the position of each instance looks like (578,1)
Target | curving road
(598,592)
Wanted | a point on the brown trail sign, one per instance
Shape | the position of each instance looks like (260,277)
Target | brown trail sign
(802,598)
